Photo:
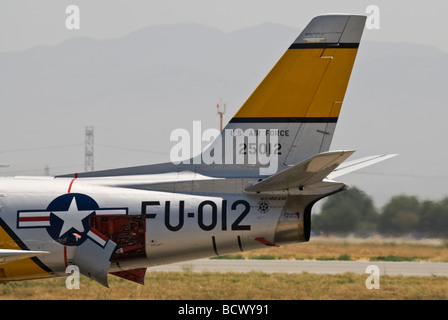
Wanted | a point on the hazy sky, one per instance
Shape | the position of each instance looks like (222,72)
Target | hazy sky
(28,23)
(25,24)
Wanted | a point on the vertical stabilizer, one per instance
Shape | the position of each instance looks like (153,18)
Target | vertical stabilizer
(302,95)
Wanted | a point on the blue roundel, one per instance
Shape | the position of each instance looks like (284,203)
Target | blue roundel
(69,218)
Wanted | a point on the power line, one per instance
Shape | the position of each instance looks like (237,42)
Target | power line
(41,148)
(130,149)
(33,170)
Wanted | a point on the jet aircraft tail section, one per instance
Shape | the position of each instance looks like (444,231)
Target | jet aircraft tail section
(302,95)
(294,109)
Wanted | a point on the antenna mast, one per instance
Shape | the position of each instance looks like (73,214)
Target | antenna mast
(88,158)
(221,110)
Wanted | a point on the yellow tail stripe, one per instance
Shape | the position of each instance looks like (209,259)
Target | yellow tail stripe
(305,83)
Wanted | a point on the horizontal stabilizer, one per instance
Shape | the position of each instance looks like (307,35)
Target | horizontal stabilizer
(357,164)
(305,173)
(8,255)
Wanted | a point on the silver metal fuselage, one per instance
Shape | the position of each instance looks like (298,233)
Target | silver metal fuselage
(178,226)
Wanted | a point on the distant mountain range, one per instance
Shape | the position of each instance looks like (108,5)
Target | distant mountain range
(136,89)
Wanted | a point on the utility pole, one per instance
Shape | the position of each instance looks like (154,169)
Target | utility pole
(221,110)
(88,154)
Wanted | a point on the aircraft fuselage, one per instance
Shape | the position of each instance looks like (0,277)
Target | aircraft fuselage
(61,216)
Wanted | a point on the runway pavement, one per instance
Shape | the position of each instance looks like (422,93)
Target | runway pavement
(311,266)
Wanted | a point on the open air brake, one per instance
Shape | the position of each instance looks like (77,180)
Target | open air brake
(114,239)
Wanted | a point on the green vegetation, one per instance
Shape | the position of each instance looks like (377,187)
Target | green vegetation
(229,256)
(265,257)
(353,212)
(395,258)
(342,257)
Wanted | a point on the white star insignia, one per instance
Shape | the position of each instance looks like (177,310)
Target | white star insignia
(72,218)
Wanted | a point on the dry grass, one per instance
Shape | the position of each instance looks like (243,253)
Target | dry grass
(357,249)
(256,285)
(235,286)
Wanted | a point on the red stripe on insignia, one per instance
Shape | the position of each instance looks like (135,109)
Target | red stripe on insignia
(25,219)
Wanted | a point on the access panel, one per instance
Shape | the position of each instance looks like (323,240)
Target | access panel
(127,231)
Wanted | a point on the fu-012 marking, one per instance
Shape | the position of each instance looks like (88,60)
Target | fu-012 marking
(207,214)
